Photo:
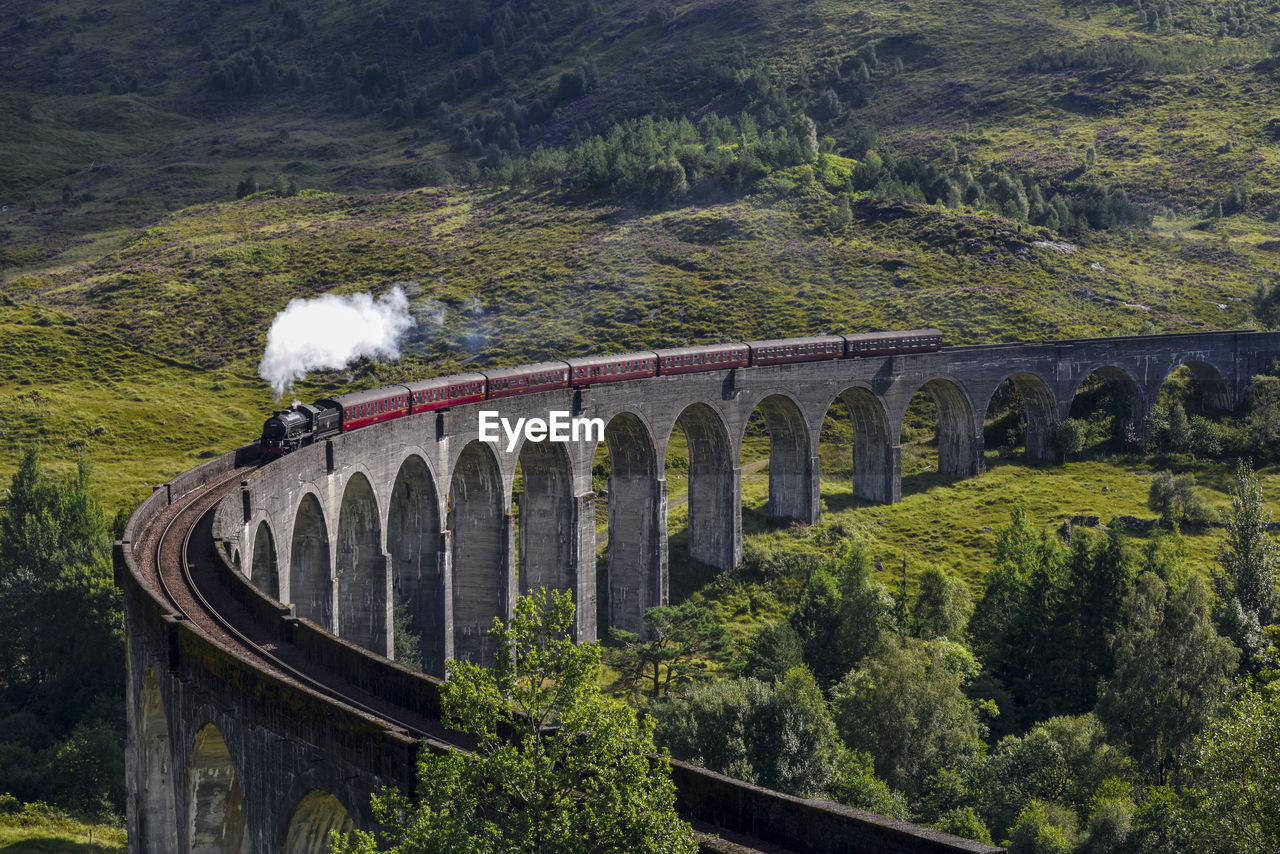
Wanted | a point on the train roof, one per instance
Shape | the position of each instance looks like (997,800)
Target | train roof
(588,361)
(702,348)
(449,379)
(521,370)
(900,333)
(357,397)
(792,342)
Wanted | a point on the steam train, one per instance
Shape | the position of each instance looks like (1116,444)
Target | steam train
(303,423)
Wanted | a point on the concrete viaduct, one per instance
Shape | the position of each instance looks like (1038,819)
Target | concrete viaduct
(418,513)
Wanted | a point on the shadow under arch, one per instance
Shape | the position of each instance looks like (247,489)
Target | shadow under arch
(215,806)
(1127,402)
(1211,384)
(362,568)
(957,444)
(310,577)
(265,572)
(875,468)
(637,565)
(413,544)
(1040,409)
(481,531)
(311,820)
(791,460)
(713,495)
(157,812)
(548,529)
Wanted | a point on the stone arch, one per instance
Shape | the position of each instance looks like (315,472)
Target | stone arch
(157,813)
(310,576)
(875,449)
(1215,392)
(714,510)
(637,564)
(548,532)
(481,531)
(215,806)
(311,820)
(792,463)
(413,545)
(1040,408)
(362,568)
(1120,378)
(959,444)
(265,573)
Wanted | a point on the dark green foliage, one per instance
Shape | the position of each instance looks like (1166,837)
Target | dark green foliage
(683,641)
(779,735)
(840,613)
(1249,574)
(776,650)
(905,706)
(1172,672)
(1124,56)
(61,681)
(579,779)
(1041,627)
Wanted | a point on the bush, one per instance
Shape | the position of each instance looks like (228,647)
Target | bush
(1043,828)
(1068,438)
(1176,499)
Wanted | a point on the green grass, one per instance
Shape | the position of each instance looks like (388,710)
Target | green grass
(139,418)
(40,829)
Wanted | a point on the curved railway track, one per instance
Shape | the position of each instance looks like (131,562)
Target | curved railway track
(184,561)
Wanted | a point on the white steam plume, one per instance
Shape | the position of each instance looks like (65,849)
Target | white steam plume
(332,331)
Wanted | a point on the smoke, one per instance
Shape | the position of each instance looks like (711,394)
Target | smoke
(332,331)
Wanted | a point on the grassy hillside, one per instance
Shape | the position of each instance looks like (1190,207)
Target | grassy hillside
(119,113)
(509,275)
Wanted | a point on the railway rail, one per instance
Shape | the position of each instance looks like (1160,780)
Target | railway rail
(185,562)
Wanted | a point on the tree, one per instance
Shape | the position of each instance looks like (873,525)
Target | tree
(578,775)
(1249,558)
(777,735)
(905,705)
(840,614)
(1172,671)
(942,606)
(776,650)
(1068,438)
(61,642)
(1063,760)
(1042,624)
(1263,396)
(1231,799)
(682,642)
(1176,499)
